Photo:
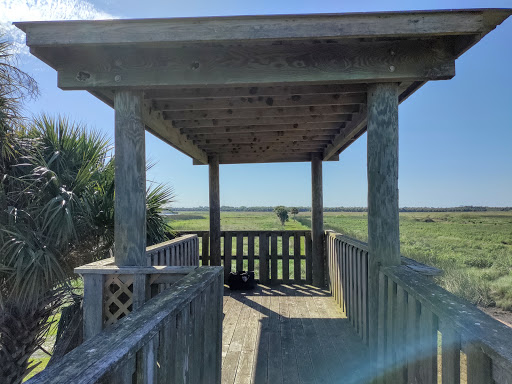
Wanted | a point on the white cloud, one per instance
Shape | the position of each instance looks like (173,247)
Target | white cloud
(42,10)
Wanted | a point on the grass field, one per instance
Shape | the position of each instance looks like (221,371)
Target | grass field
(474,249)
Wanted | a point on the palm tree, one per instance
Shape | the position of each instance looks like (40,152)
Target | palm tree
(59,199)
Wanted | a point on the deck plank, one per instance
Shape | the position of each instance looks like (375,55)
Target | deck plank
(289,334)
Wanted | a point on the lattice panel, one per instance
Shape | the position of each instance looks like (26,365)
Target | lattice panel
(118,294)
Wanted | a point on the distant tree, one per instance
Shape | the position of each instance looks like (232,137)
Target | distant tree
(294,211)
(281,213)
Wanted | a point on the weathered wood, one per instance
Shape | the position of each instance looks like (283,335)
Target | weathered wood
(316,27)
(226,122)
(261,102)
(313,136)
(383,227)
(400,60)
(95,358)
(263,246)
(227,254)
(478,365)
(268,158)
(246,113)
(413,346)
(273,258)
(130,179)
(450,350)
(348,134)
(92,305)
(239,252)
(205,249)
(213,168)
(286,257)
(317,222)
(251,137)
(228,92)
(250,252)
(309,258)
(296,258)
(304,127)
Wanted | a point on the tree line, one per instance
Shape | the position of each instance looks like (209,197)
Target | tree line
(227,208)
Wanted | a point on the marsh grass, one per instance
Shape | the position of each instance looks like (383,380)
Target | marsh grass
(474,249)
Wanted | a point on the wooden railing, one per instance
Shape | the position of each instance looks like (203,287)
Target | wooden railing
(175,337)
(111,292)
(275,256)
(415,316)
(182,251)
(347,268)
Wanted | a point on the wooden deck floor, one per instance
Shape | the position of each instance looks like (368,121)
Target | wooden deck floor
(289,334)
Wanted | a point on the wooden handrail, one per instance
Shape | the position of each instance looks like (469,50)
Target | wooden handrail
(419,303)
(175,336)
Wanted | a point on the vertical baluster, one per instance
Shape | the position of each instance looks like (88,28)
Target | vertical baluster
(413,347)
(227,254)
(428,343)
(382,336)
(399,331)
(239,251)
(296,258)
(250,252)
(263,258)
(93,304)
(364,285)
(390,335)
(309,258)
(479,365)
(286,257)
(450,354)
(273,258)
(206,248)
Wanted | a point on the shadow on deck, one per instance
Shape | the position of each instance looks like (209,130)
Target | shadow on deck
(289,334)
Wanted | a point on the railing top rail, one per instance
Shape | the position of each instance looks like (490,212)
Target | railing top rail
(475,326)
(95,357)
(253,232)
(108,267)
(166,244)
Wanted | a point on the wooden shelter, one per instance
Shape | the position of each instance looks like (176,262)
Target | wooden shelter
(260,89)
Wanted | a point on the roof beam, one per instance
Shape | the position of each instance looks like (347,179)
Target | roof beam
(351,132)
(162,129)
(266,140)
(285,135)
(278,27)
(246,113)
(400,60)
(266,158)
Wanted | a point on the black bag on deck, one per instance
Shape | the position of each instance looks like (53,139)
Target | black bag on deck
(241,280)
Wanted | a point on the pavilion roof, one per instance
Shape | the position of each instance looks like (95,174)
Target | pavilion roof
(255,89)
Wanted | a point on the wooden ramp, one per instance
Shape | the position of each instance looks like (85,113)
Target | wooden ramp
(289,334)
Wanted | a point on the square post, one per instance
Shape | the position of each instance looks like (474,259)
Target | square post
(213,168)
(317,221)
(130,179)
(383,221)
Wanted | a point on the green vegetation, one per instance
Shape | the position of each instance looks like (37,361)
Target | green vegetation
(474,249)
(281,213)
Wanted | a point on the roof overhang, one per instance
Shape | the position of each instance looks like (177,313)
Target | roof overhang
(255,89)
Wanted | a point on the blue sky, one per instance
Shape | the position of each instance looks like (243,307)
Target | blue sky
(455,136)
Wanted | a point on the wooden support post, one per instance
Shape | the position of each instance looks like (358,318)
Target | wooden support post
(317,221)
(93,305)
(383,230)
(215,258)
(130,179)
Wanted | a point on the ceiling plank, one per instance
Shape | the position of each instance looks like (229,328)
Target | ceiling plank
(400,60)
(314,119)
(265,135)
(218,92)
(256,140)
(261,102)
(264,128)
(260,112)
